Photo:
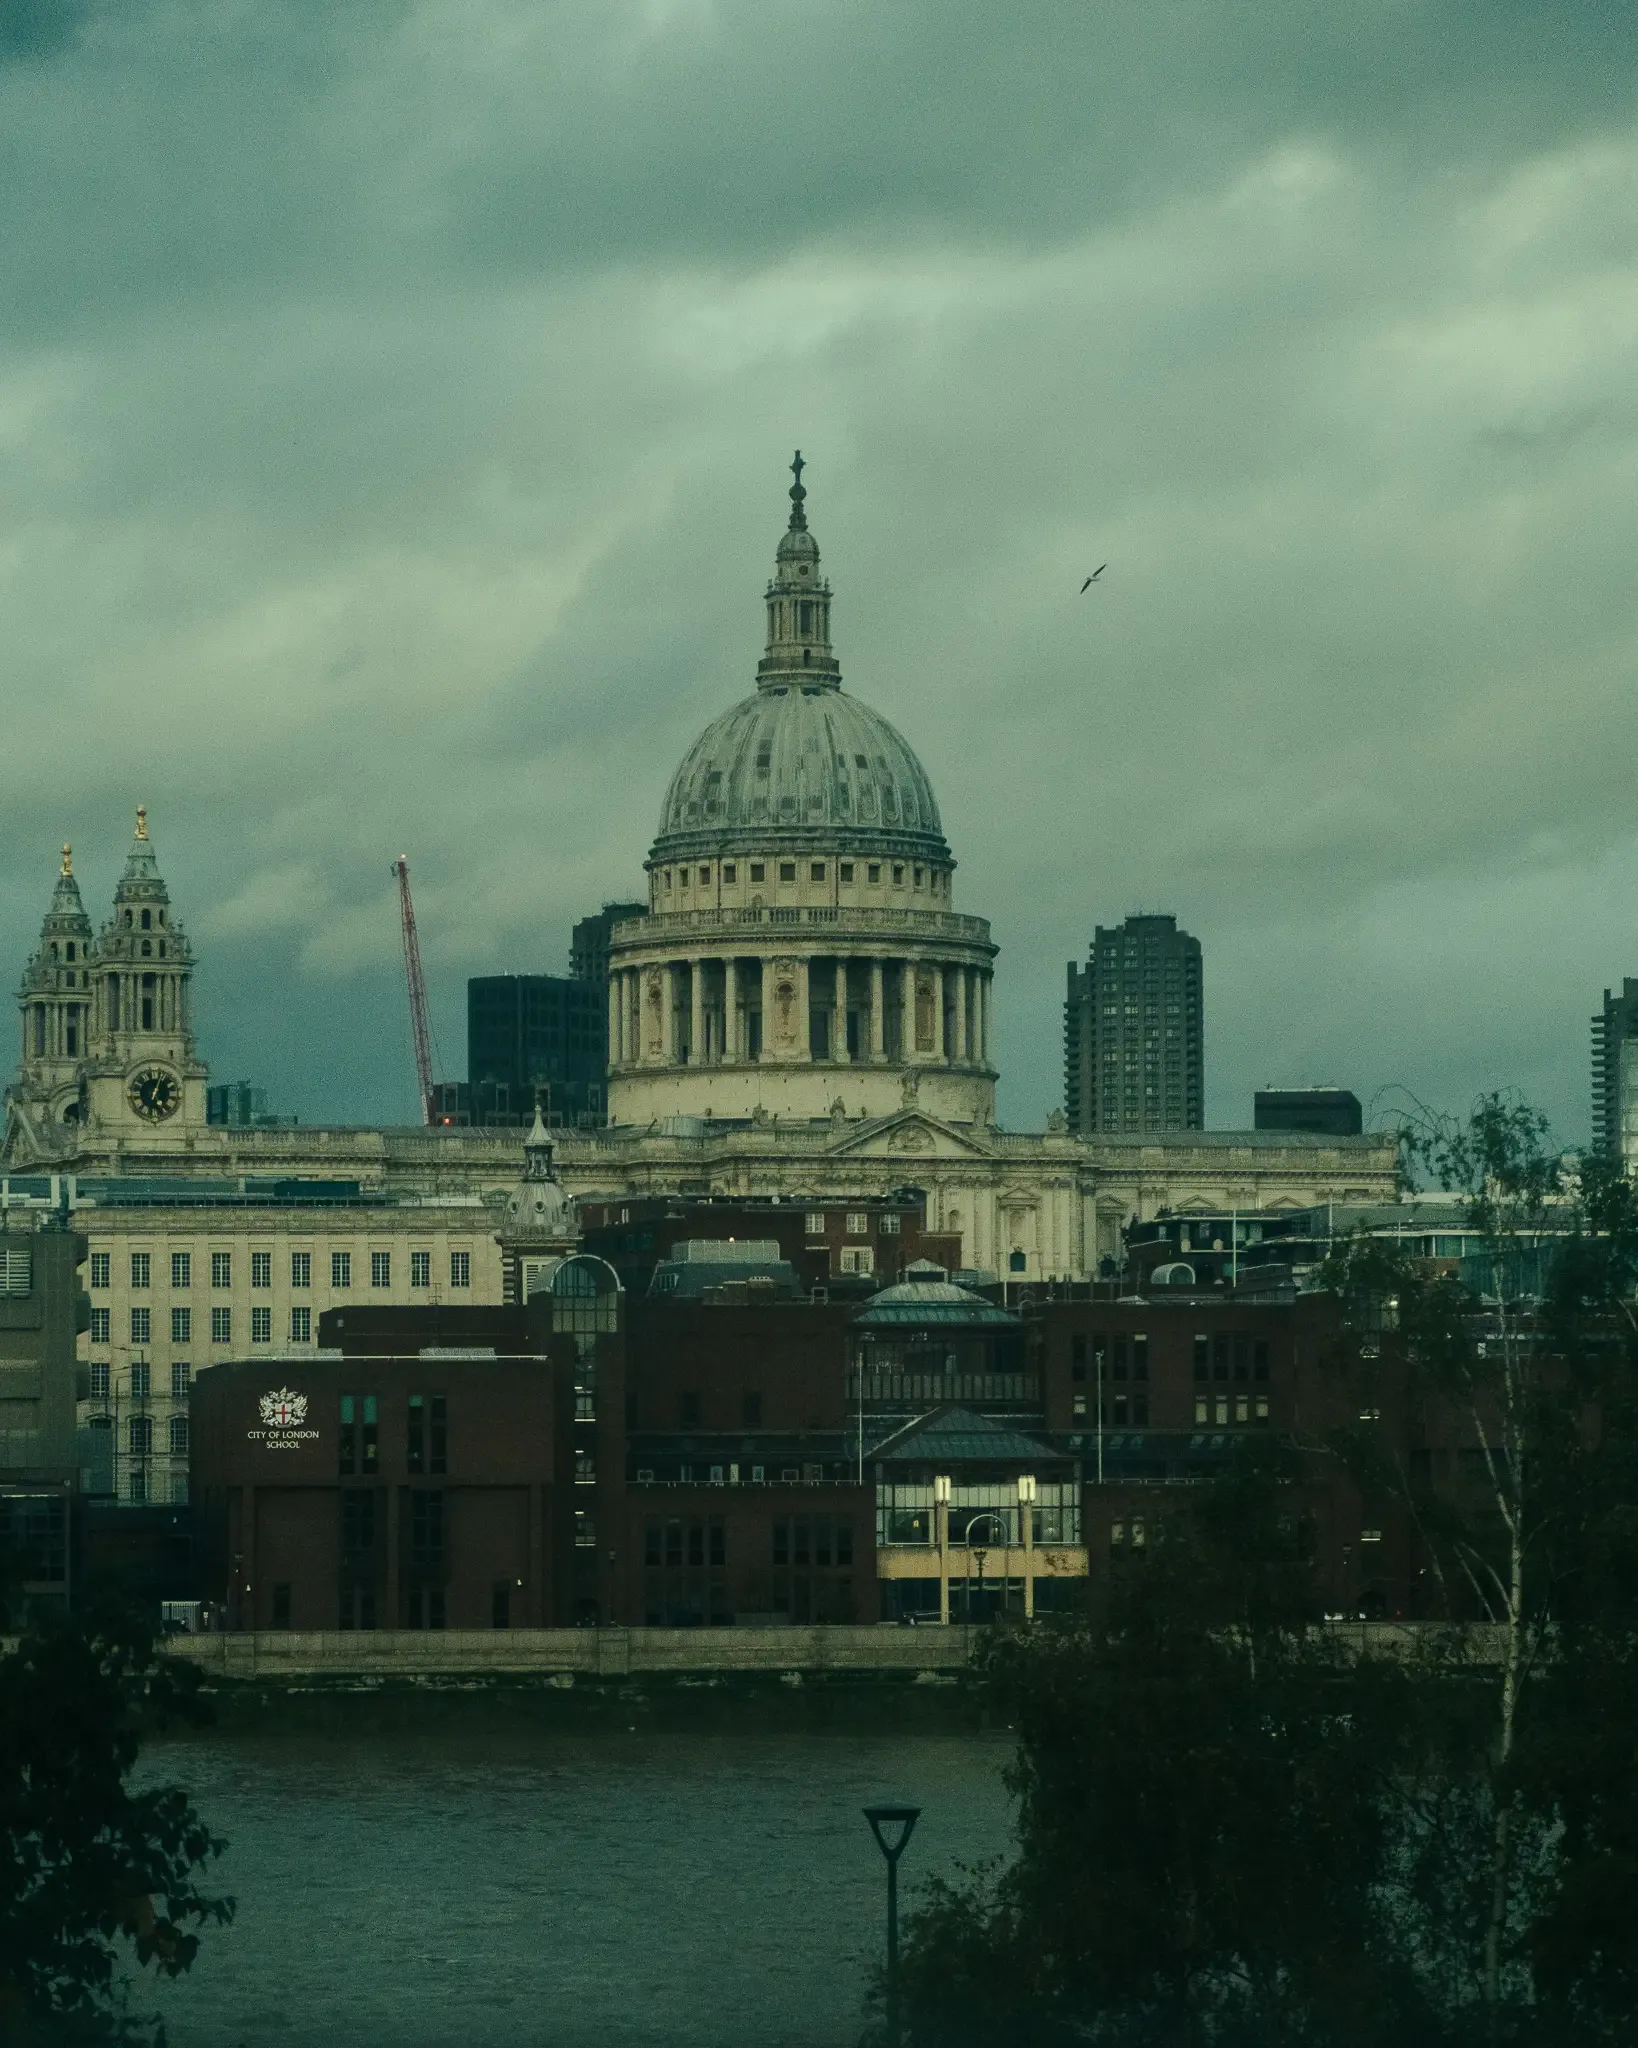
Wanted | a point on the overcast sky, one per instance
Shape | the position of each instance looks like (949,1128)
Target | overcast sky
(395,402)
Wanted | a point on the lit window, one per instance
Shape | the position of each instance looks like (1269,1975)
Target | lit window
(858,1223)
(420,1269)
(815,1224)
(261,1326)
(181,1325)
(1370,1535)
(1202,1408)
(221,1269)
(858,1258)
(261,1269)
(460,1269)
(139,1269)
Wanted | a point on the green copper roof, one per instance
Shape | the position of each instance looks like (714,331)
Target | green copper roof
(954,1436)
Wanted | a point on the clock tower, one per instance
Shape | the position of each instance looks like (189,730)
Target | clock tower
(144,1077)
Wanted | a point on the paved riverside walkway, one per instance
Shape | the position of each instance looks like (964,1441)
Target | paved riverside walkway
(565,1652)
(562,1653)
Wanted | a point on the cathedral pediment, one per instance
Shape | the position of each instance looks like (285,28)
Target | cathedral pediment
(910,1133)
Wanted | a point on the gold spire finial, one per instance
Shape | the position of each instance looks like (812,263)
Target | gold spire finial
(68,858)
(142,821)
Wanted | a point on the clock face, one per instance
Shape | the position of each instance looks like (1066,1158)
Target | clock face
(154,1094)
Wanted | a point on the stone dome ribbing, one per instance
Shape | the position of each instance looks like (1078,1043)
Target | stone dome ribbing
(798,766)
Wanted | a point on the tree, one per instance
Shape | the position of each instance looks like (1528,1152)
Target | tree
(1203,1823)
(91,1871)
(1520,1367)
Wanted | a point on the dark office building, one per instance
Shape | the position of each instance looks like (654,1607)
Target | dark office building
(589,942)
(1333,1112)
(43,1459)
(530,1035)
(1134,1033)
(1612,1030)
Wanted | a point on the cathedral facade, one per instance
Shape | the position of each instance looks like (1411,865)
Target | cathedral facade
(803,1014)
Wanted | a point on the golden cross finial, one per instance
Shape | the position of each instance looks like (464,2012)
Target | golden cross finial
(68,858)
(142,821)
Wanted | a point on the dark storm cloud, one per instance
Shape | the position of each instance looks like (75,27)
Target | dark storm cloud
(393,400)
(35,29)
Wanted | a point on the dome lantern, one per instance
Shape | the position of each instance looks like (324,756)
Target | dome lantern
(798,600)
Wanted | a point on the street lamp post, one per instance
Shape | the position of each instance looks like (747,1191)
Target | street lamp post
(978,1551)
(892,1826)
(1026,1517)
(941,1536)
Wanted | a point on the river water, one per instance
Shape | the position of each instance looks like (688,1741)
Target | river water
(412,1889)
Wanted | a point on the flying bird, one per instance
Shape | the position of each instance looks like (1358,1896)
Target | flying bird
(1096,573)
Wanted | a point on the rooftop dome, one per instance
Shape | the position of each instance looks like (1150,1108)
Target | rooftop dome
(926,1302)
(800,763)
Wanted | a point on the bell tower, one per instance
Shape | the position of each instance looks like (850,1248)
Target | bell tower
(145,1073)
(55,998)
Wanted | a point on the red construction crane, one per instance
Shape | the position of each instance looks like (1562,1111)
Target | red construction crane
(417,988)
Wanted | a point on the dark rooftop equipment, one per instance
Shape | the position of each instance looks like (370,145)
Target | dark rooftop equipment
(1331,1112)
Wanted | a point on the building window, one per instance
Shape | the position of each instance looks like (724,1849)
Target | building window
(1259,1359)
(141,1376)
(858,1223)
(221,1326)
(898,874)
(301,1326)
(261,1326)
(1016,1262)
(99,1379)
(787,871)
(460,1269)
(341,1269)
(1202,1408)
(179,1379)
(301,1269)
(139,1269)
(99,1269)
(816,871)
(141,1319)
(1140,1357)
(221,1269)
(99,1324)
(179,1436)
(428,1447)
(858,1258)
(140,1435)
(381,1269)
(358,1446)
(758,870)
(1262,1408)
(261,1269)
(814,1224)
(1220,1409)
(420,1269)
(136,1487)
(730,871)
(181,1325)
(1202,1357)
(705,874)
(1078,1407)
(181,1269)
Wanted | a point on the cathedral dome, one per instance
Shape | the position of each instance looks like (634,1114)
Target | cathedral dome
(800,764)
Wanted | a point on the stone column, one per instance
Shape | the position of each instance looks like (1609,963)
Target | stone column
(668,1014)
(765,967)
(730,1011)
(958,1051)
(982,993)
(615,1020)
(941,1048)
(696,1014)
(907,1011)
(838,1030)
(878,1014)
